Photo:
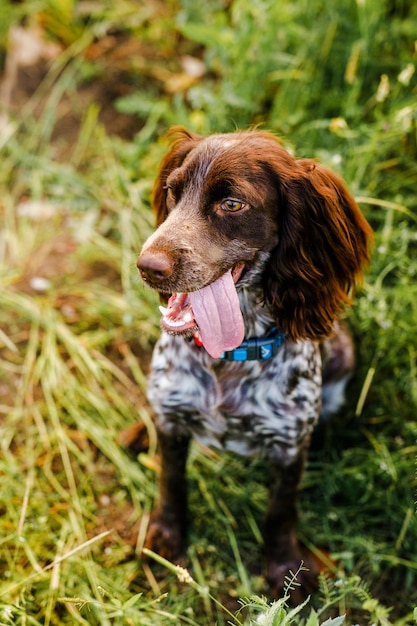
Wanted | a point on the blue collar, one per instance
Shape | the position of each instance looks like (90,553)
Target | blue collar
(257,349)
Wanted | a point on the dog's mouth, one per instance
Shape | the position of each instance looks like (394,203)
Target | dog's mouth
(212,311)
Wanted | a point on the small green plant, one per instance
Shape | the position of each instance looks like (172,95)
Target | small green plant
(279,613)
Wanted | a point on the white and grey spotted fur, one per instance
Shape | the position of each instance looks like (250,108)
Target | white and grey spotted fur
(263,408)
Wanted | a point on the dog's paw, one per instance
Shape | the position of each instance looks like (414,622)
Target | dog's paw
(166,537)
(305,583)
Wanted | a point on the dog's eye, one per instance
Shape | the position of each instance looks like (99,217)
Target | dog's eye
(170,196)
(232,205)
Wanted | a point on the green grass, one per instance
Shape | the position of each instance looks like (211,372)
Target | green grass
(335,81)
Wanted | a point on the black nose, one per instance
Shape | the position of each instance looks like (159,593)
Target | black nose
(154,267)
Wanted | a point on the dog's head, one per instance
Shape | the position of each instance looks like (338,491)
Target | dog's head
(227,201)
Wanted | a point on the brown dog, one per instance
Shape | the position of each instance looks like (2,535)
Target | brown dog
(256,253)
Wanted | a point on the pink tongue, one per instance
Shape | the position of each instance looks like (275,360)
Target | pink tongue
(217,312)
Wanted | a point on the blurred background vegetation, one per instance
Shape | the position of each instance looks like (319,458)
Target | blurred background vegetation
(87,91)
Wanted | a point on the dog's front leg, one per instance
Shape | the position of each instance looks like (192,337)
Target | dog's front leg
(168,522)
(283,552)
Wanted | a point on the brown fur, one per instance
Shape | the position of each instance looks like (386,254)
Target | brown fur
(323,238)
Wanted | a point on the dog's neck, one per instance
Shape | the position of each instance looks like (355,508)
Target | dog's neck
(257,317)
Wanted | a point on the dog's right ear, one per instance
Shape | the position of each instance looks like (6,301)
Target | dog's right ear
(182,142)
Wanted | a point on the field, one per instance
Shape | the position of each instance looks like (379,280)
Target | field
(88,92)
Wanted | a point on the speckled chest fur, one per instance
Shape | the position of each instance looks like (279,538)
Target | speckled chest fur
(253,408)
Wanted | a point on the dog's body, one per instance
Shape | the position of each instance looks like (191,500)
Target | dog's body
(254,408)
(254,245)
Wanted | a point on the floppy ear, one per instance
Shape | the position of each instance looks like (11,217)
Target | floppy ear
(322,249)
(182,142)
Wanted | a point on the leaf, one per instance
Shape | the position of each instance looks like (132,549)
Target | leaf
(313,619)
(295,611)
(208,35)
(132,601)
